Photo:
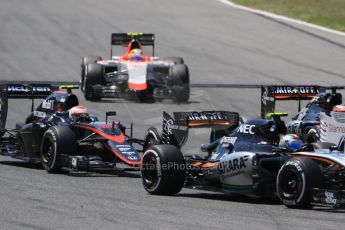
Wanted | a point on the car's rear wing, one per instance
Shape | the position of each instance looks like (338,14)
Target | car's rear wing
(175,129)
(272,93)
(27,90)
(123,39)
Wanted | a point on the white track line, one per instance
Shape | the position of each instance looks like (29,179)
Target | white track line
(276,16)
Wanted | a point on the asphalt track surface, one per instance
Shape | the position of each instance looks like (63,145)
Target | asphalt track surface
(45,40)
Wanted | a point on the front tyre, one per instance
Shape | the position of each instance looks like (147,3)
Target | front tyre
(175,60)
(94,79)
(180,82)
(84,62)
(56,141)
(295,181)
(163,170)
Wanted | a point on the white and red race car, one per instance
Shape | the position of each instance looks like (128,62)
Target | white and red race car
(321,120)
(134,75)
(332,125)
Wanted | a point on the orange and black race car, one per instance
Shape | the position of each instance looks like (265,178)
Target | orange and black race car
(61,134)
(134,75)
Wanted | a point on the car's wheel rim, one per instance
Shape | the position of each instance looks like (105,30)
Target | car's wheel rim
(47,152)
(150,142)
(291,184)
(149,170)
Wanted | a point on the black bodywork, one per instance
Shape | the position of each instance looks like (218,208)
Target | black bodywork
(228,135)
(100,145)
(256,140)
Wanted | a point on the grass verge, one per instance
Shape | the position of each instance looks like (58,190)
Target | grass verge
(328,13)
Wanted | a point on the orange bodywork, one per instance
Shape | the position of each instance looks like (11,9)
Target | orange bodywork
(205,165)
(287,96)
(134,86)
(320,159)
(127,57)
(198,123)
(119,139)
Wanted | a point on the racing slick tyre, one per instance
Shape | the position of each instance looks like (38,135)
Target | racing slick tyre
(180,82)
(295,180)
(175,60)
(84,62)
(56,141)
(152,137)
(94,79)
(163,170)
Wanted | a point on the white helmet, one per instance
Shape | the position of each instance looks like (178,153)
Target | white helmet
(78,112)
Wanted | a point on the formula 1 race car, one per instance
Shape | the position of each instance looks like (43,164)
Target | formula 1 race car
(60,134)
(133,75)
(246,161)
(323,117)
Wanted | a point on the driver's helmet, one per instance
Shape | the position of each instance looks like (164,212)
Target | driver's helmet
(135,54)
(321,99)
(327,101)
(291,141)
(79,114)
(333,100)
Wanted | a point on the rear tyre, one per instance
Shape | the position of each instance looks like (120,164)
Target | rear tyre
(56,141)
(94,79)
(180,82)
(84,62)
(163,170)
(295,181)
(152,138)
(175,60)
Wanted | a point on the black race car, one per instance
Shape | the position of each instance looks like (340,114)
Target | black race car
(245,160)
(239,157)
(52,136)
(134,75)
